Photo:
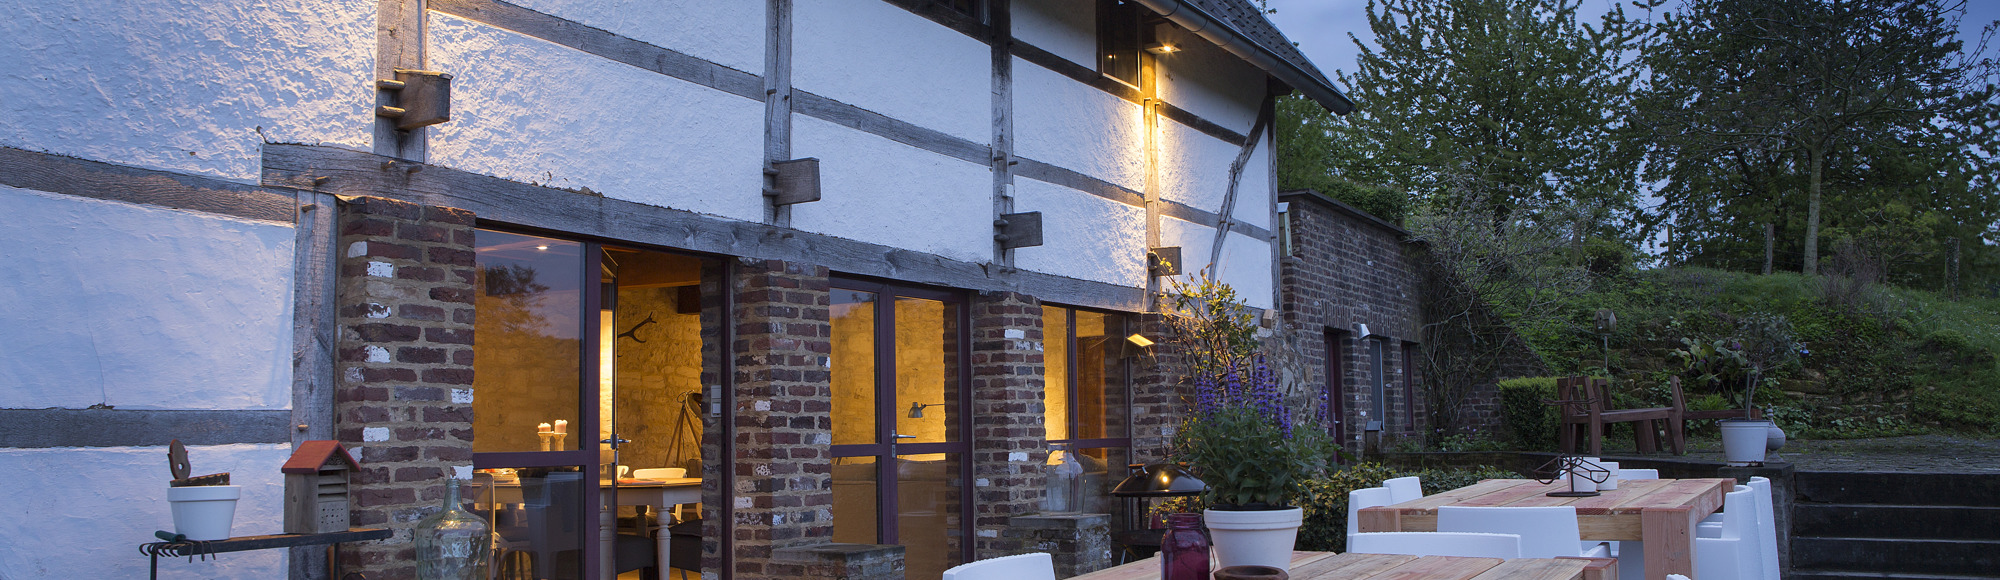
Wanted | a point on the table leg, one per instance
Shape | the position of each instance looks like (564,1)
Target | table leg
(665,521)
(1668,534)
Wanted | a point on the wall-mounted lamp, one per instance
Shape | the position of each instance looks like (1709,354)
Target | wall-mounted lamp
(1360,330)
(1158,47)
(1138,341)
(917,410)
(1163,39)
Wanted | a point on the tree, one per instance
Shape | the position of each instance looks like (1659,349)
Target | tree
(1795,85)
(1520,97)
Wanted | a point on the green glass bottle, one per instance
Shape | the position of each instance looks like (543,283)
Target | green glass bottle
(453,544)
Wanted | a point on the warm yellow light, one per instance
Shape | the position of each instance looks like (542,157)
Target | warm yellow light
(1162,48)
(1139,341)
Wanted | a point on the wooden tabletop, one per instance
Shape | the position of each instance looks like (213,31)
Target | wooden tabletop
(1328,565)
(1611,515)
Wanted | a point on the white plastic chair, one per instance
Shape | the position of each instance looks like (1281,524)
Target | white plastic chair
(1733,555)
(1366,497)
(1404,489)
(1036,566)
(1437,544)
(1546,532)
(1767,526)
(1628,473)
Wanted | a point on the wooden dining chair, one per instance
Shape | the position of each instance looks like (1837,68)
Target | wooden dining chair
(1437,544)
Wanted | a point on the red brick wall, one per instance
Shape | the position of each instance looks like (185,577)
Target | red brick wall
(403,399)
(783,464)
(1009,439)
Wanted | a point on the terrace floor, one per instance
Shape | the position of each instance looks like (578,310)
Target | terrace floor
(1910,454)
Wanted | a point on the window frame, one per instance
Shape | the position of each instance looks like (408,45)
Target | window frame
(1070,387)
(1121,13)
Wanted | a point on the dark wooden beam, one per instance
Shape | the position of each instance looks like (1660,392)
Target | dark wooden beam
(900,131)
(1205,126)
(347,172)
(71,176)
(777,102)
(598,42)
(1063,176)
(1000,14)
(34,428)
(399,44)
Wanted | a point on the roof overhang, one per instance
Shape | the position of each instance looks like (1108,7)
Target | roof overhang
(1205,25)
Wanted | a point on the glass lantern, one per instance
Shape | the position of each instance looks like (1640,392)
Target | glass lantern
(1065,482)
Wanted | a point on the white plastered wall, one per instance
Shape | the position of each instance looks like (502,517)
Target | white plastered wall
(1083,236)
(140,307)
(540,113)
(1065,28)
(1211,83)
(880,57)
(1194,169)
(727,33)
(82,512)
(1246,261)
(880,191)
(1075,126)
(185,85)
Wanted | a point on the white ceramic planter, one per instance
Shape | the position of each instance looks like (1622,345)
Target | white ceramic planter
(204,512)
(1745,440)
(1254,538)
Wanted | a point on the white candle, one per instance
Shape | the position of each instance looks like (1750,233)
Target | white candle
(562,426)
(542,428)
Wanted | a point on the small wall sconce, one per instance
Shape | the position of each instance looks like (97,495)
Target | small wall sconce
(1018,230)
(1164,261)
(1360,330)
(1162,42)
(1138,341)
(917,410)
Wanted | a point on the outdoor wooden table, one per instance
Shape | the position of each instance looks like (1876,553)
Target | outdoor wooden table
(1662,513)
(1330,566)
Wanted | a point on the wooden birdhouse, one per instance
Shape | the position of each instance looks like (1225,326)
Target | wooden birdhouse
(316,488)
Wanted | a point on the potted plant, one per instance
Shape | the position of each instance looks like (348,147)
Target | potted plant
(1240,435)
(1762,342)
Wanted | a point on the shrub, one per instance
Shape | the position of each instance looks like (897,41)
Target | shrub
(1325,499)
(1531,422)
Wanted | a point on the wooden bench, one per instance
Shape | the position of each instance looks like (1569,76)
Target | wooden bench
(1585,408)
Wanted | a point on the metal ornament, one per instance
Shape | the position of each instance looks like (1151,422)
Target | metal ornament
(1578,471)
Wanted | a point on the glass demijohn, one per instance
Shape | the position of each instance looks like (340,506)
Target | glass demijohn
(453,544)
(1065,477)
(1184,549)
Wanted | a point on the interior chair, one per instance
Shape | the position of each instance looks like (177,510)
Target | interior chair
(1036,566)
(1546,532)
(1404,489)
(1366,497)
(1628,473)
(1732,552)
(1472,544)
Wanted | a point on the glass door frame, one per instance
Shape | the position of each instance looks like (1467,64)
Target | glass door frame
(586,458)
(1070,363)
(885,449)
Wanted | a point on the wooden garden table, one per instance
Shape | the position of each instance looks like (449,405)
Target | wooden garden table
(1662,513)
(1331,566)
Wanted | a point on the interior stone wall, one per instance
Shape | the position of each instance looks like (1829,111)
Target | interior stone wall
(654,377)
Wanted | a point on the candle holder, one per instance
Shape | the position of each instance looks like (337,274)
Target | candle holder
(560,446)
(1574,469)
(546,438)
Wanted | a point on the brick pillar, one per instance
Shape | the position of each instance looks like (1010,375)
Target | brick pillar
(783,465)
(404,399)
(1157,395)
(1009,439)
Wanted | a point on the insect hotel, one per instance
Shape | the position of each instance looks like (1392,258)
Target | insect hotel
(316,488)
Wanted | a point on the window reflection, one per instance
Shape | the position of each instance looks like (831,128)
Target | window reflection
(529,307)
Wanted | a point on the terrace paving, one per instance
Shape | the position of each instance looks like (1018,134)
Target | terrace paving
(1910,454)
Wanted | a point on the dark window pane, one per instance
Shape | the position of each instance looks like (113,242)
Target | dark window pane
(1118,40)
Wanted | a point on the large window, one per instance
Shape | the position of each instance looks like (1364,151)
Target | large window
(1086,397)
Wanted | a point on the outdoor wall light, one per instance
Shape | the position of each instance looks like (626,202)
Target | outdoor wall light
(1138,341)
(917,410)
(1361,330)
(1161,48)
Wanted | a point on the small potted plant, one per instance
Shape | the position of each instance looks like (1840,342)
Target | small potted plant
(1762,342)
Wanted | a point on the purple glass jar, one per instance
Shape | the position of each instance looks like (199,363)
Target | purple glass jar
(1184,549)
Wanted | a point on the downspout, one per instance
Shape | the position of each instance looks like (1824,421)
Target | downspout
(1199,22)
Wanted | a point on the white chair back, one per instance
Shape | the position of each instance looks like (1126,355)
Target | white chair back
(1037,566)
(1366,497)
(1546,532)
(1767,535)
(1437,544)
(1404,489)
(1734,554)
(1629,473)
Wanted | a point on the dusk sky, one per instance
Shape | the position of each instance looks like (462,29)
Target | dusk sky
(1320,27)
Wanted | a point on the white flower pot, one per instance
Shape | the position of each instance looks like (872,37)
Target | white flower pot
(1745,440)
(1253,538)
(204,512)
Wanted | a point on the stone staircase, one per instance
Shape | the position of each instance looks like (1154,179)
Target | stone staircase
(1895,525)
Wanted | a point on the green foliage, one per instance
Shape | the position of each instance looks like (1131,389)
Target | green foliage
(1531,423)
(1216,329)
(1308,142)
(1245,458)
(1324,499)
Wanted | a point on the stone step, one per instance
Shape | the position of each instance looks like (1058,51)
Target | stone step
(1896,521)
(1876,555)
(1908,489)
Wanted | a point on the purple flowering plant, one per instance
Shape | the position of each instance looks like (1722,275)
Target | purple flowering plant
(1240,436)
